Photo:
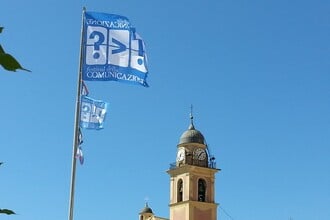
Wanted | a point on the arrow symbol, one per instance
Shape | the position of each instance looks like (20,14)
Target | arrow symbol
(120,45)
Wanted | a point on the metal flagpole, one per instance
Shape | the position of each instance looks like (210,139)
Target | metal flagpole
(76,122)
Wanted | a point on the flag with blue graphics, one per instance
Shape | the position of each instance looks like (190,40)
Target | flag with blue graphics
(112,50)
(92,113)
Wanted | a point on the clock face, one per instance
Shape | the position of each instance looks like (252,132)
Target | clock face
(199,154)
(181,154)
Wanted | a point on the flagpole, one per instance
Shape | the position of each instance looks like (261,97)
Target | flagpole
(76,123)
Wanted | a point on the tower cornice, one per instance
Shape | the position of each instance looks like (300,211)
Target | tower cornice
(192,169)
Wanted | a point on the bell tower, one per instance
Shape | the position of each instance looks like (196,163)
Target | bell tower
(192,193)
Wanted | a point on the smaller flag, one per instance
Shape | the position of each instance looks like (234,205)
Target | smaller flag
(80,155)
(92,113)
(84,90)
(80,138)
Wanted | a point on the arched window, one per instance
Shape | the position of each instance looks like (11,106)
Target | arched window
(180,191)
(201,190)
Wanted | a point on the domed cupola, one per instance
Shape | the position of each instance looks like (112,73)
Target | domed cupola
(146,213)
(146,209)
(192,148)
(192,135)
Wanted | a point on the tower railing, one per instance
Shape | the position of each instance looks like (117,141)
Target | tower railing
(211,164)
(172,166)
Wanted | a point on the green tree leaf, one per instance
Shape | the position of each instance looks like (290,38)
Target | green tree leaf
(8,62)
(7,211)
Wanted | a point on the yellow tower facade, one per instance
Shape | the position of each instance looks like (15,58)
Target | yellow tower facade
(192,179)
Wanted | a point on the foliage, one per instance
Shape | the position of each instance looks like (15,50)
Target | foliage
(6,211)
(7,61)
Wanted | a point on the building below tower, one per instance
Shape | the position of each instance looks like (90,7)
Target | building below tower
(147,214)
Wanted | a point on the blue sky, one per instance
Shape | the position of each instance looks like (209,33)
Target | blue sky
(257,73)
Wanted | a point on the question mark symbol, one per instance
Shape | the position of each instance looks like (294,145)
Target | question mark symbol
(99,39)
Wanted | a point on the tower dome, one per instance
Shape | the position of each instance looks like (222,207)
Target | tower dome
(146,209)
(192,135)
